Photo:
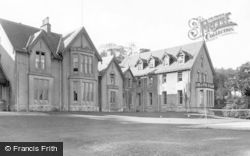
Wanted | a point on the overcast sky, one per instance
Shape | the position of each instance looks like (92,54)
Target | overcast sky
(153,24)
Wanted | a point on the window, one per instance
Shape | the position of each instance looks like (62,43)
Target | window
(87,91)
(112,96)
(179,76)
(145,82)
(86,64)
(92,92)
(129,98)
(129,82)
(151,63)
(202,78)
(202,61)
(150,98)
(75,92)
(139,82)
(83,91)
(181,58)
(166,61)
(198,76)
(164,94)
(75,63)
(180,97)
(112,79)
(40,60)
(41,89)
(90,65)
(205,77)
(150,80)
(164,78)
(140,66)
(82,63)
(139,98)
(46,89)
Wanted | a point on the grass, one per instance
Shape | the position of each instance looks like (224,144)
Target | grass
(85,136)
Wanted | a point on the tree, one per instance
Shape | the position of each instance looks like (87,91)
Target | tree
(119,51)
(112,49)
(229,80)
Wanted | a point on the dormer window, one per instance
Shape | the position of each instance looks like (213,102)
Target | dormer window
(140,64)
(152,63)
(181,58)
(166,61)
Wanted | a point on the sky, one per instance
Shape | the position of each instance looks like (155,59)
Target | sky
(153,24)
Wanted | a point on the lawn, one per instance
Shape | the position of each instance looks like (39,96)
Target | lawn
(102,134)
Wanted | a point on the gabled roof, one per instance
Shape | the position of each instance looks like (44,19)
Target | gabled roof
(166,54)
(193,49)
(105,64)
(22,36)
(33,39)
(19,34)
(139,59)
(126,69)
(70,37)
(153,57)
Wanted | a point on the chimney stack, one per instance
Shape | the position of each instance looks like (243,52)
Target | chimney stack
(46,26)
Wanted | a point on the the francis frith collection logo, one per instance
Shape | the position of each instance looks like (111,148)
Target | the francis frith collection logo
(211,28)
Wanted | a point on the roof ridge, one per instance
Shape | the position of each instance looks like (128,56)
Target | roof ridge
(1,19)
(25,25)
(165,49)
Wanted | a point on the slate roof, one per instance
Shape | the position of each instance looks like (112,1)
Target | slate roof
(105,63)
(21,36)
(69,38)
(192,49)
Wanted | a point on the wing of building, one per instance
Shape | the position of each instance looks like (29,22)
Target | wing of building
(110,85)
(173,79)
(45,71)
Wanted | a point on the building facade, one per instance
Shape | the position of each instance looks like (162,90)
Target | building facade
(129,88)
(110,85)
(46,71)
(173,79)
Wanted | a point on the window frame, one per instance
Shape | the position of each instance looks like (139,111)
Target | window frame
(164,96)
(41,90)
(179,76)
(150,80)
(180,97)
(40,60)
(112,79)
(75,63)
(164,78)
(112,97)
(150,98)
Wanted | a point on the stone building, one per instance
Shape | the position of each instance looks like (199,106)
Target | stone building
(128,90)
(45,71)
(173,79)
(110,85)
